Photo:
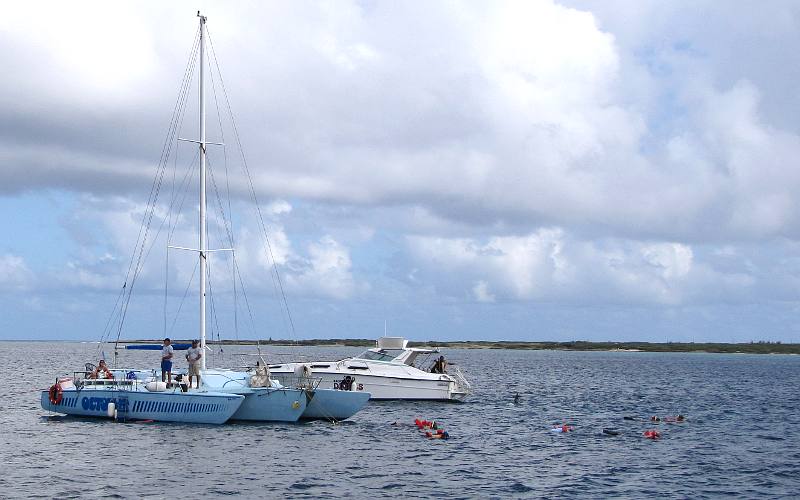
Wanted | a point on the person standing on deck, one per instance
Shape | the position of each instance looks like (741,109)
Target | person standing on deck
(193,356)
(166,362)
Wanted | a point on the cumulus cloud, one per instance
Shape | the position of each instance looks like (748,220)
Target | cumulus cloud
(326,272)
(112,226)
(503,152)
(551,265)
(528,105)
(15,274)
(481,292)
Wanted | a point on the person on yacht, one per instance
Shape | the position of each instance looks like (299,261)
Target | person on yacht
(347,383)
(166,362)
(193,356)
(439,366)
(101,371)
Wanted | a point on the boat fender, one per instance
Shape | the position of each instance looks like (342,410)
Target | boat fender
(112,410)
(303,371)
(56,394)
(66,383)
(156,386)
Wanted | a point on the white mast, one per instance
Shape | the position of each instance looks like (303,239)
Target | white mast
(203,228)
(203,250)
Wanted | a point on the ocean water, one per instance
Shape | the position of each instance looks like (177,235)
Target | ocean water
(741,437)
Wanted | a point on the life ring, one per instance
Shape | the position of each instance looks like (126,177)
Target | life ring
(56,394)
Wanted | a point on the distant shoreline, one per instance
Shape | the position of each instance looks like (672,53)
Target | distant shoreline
(708,347)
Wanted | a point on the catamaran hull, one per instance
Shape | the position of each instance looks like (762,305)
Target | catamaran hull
(271,405)
(199,408)
(384,387)
(332,404)
(261,404)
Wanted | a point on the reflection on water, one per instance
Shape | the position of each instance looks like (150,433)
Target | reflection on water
(741,436)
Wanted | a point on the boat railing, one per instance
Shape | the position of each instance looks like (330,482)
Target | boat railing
(83,379)
(292,381)
(116,383)
(297,382)
(461,380)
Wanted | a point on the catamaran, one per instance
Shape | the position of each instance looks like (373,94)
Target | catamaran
(225,394)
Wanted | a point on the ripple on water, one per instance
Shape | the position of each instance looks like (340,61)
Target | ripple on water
(742,436)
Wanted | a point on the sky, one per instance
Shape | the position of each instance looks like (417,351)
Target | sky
(532,170)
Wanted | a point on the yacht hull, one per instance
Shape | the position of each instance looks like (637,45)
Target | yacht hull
(436,388)
(168,406)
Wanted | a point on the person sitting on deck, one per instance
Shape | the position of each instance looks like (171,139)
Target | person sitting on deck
(101,371)
(439,366)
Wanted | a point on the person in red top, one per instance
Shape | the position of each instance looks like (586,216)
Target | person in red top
(101,371)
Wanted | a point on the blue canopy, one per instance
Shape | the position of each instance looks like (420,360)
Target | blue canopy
(157,347)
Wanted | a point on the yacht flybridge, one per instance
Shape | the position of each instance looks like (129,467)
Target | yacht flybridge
(390,370)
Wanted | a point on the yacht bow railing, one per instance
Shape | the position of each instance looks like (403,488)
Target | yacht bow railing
(460,379)
(297,382)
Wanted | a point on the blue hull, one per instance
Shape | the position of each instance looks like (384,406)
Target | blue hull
(332,404)
(271,405)
(199,408)
(261,404)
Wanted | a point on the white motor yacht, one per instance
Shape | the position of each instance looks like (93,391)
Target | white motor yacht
(390,370)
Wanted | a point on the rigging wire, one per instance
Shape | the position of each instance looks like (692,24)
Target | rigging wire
(252,189)
(185,293)
(235,262)
(230,210)
(169,210)
(215,319)
(179,191)
(155,189)
(183,189)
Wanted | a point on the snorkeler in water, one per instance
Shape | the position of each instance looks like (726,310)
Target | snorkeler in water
(669,419)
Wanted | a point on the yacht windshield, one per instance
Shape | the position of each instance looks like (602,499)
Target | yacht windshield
(383,355)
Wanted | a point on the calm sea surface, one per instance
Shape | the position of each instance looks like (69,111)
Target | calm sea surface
(742,436)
